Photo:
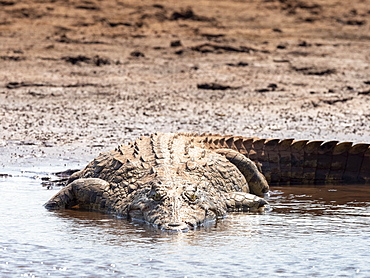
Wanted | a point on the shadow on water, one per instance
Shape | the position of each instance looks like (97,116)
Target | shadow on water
(350,200)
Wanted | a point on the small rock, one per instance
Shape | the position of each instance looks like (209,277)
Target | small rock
(137,54)
(176,43)
(277,30)
(281,46)
(215,86)
(364,92)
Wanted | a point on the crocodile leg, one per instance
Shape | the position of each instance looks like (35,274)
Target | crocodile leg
(255,179)
(241,201)
(87,193)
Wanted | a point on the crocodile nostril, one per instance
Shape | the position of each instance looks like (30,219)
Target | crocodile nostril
(175,226)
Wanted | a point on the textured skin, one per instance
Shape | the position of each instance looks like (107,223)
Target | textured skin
(301,162)
(180,181)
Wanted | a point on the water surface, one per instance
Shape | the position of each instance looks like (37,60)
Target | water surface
(317,231)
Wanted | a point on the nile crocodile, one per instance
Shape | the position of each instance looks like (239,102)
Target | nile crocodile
(181,181)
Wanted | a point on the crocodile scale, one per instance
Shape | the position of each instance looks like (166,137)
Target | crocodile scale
(182,181)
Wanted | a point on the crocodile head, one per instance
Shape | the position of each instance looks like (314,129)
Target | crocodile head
(174,205)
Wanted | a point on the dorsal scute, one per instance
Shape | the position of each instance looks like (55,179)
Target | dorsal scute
(282,161)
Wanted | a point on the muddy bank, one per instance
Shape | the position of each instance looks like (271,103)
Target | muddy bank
(89,75)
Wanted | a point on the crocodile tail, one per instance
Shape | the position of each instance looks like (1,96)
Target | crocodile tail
(289,161)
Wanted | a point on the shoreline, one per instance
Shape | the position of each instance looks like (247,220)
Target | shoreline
(90,78)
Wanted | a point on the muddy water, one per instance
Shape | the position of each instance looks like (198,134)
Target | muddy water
(320,231)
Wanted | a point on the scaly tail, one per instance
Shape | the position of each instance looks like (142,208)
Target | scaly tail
(300,162)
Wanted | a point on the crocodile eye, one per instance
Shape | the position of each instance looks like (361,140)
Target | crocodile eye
(157,195)
(191,196)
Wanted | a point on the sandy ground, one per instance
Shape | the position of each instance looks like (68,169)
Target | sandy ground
(81,76)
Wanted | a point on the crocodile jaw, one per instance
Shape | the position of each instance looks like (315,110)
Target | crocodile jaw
(168,216)
(180,224)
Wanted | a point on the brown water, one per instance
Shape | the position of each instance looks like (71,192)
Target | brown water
(319,231)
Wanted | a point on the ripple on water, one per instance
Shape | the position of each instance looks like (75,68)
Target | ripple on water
(317,231)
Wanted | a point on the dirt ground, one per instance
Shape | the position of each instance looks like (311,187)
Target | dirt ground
(81,76)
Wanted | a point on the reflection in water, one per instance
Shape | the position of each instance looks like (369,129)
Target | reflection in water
(322,200)
(310,231)
(109,230)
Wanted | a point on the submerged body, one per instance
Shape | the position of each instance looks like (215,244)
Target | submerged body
(171,181)
(181,181)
